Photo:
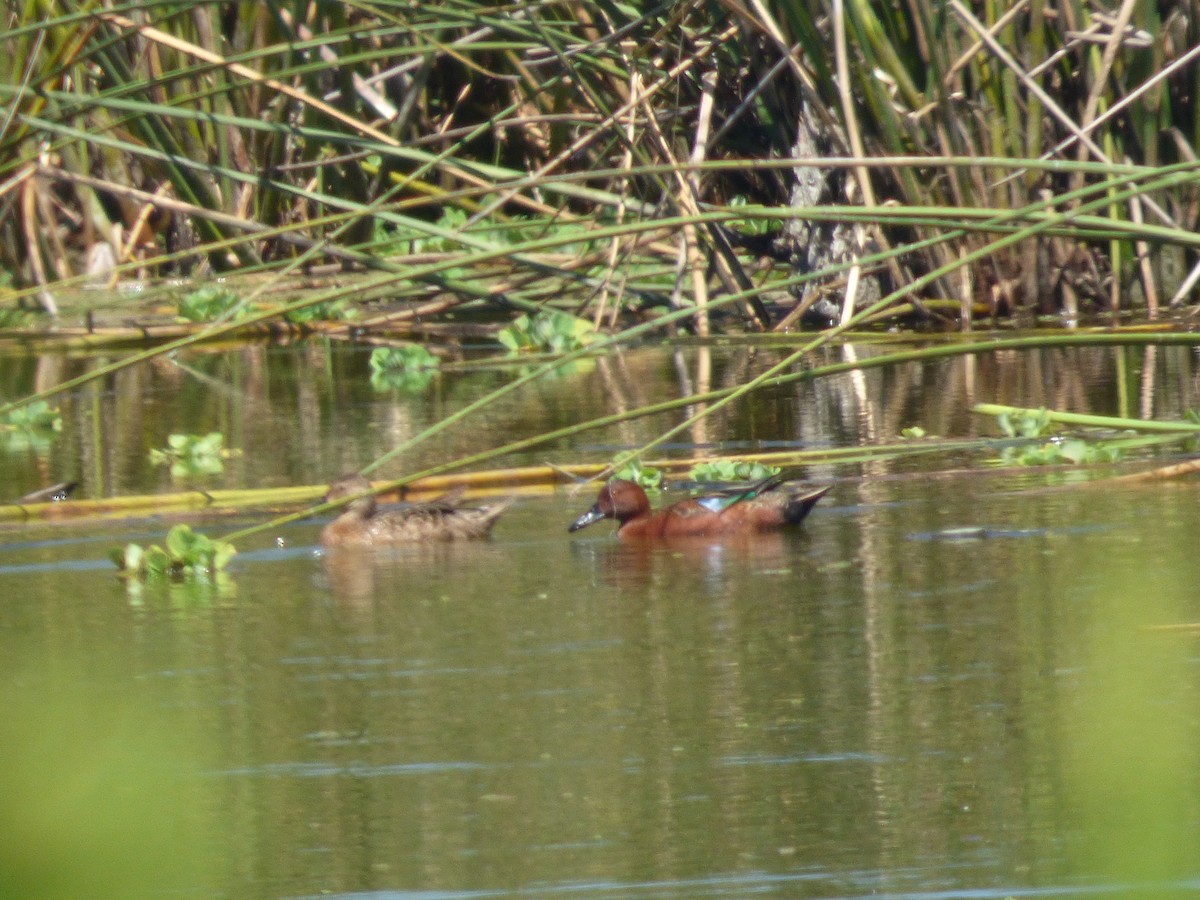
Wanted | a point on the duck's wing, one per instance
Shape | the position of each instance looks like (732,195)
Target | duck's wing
(444,503)
(716,503)
(733,494)
(447,502)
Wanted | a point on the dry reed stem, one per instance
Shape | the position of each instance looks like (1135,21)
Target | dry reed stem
(1176,470)
(585,140)
(1047,101)
(189,49)
(34,246)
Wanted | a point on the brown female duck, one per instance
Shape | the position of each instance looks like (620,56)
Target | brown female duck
(362,524)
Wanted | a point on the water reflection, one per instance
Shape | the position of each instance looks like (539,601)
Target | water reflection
(302,414)
(360,577)
(837,712)
(846,711)
(680,563)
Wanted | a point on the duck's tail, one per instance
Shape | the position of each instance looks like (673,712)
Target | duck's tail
(481,519)
(799,505)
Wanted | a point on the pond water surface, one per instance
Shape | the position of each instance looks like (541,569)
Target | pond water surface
(882,704)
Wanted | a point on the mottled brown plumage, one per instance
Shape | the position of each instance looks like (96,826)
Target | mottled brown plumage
(362,524)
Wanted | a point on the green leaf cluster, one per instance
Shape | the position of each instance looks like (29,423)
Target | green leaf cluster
(207,304)
(1030,424)
(392,239)
(333,311)
(727,470)
(32,426)
(406,367)
(186,556)
(192,454)
(648,477)
(1061,451)
(752,225)
(547,331)
(1024,424)
(38,415)
(16,316)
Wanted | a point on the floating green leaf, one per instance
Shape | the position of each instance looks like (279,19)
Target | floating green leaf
(548,331)
(32,426)
(188,555)
(208,303)
(1024,423)
(406,367)
(38,414)
(1066,451)
(192,454)
(727,470)
(334,311)
(648,477)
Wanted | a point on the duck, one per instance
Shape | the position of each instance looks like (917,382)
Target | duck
(767,506)
(361,524)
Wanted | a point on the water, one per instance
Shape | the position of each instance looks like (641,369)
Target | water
(953,682)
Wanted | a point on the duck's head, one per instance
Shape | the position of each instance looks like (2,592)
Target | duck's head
(619,499)
(353,486)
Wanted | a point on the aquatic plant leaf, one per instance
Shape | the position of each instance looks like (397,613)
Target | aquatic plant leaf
(403,358)
(222,553)
(30,427)
(205,466)
(510,338)
(406,367)
(189,555)
(1025,424)
(183,543)
(515,337)
(208,445)
(400,380)
(36,415)
(549,331)
(648,477)
(155,562)
(725,470)
(128,559)
(23,440)
(1066,451)
(334,311)
(1075,451)
(190,454)
(207,304)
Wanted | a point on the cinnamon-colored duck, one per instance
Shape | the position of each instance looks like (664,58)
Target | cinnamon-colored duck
(767,506)
(362,524)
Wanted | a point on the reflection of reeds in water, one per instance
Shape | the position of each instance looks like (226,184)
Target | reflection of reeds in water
(299,414)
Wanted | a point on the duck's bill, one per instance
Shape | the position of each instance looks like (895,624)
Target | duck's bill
(592,515)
